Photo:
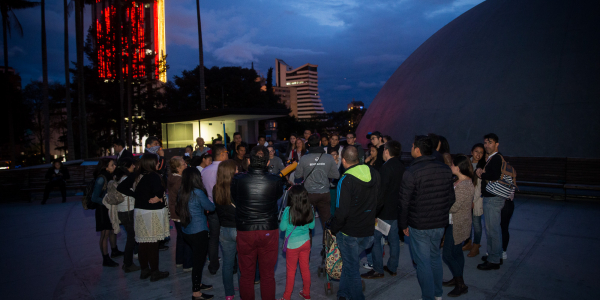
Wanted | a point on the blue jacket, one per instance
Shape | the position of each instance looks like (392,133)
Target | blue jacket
(99,190)
(197,205)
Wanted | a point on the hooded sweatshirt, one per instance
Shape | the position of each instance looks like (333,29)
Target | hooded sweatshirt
(324,167)
(356,203)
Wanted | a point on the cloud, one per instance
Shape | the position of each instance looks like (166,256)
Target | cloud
(383,58)
(342,87)
(14,51)
(369,85)
(325,12)
(455,6)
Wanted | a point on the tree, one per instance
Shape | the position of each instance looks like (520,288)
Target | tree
(45,84)
(9,19)
(201,54)
(83,140)
(269,83)
(70,143)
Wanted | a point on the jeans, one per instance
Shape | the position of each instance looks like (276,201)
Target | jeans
(228,245)
(183,251)
(350,249)
(425,245)
(126,219)
(261,246)
(393,241)
(492,207)
(453,254)
(294,257)
(214,228)
(477,230)
(199,243)
(505,216)
(50,185)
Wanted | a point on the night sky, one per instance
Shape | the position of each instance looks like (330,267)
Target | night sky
(357,44)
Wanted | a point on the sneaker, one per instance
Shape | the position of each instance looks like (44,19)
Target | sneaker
(107,262)
(158,275)
(205,287)
(504,256)
(372,275)
(401,243)
(145,274)
(135,255)
(316,214)
(178,265)
(256,281)
(305,297)
(187,270)
(163,248)
(367,266)
(438,298)
(130,268)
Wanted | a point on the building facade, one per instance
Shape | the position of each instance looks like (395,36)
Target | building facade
(298,89)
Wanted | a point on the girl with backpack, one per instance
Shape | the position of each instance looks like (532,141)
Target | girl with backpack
(102,175)
(192,202)
(151,216)
(298,218)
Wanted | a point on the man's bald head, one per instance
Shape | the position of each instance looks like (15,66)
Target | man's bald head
(350,155)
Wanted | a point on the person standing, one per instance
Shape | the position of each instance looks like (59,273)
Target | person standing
(120,151)
(200,148)
(239,159)
(387,211)
(192,203)
(209,177)
(351,141)
(354,220)
(262,141)
(102,175)
(477,160)
(297,221)
(298,151)
(275,163)
(427,193)
(255,194)
(460,224)
(57,174)
(334,144)
(290,146)
(377,141)
(125,214)
(492,204)
(237,141)
(315,169)
(183,251)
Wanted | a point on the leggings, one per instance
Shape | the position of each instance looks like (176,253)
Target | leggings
(505,215)
(199,242)
(148,255)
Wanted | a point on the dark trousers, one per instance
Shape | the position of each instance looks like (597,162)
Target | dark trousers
(322,203)
(126,219)
(213,242)
(183,250)
(199,243)
(505,215)
(261,246)
(149,256)
(453,254)
(51,185)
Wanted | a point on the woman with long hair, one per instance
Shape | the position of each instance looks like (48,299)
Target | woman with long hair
(226,213)
(151,216)
(102,175)
(477,160)
(183,251)
(125,213)
(291,146)
(298,151)
(192,202)
(298,218)
(459,228)
(445,150)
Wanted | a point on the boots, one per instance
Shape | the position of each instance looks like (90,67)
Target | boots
(158,275)
(467,246)
(474,250)
(107,262)
(460,288)
(451,282)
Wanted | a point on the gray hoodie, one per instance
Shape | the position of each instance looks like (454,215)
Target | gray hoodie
(324,169)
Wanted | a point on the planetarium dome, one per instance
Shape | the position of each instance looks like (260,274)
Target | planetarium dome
(528,71)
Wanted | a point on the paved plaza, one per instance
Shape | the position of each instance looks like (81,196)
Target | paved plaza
(51,252)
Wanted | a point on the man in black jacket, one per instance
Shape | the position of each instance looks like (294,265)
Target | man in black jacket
(387,211)
(57,174)
(354,219)
(492,204)
(255,194)
(120,151)
(376,139)
(427,193)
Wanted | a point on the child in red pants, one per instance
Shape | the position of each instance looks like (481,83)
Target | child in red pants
(297,219)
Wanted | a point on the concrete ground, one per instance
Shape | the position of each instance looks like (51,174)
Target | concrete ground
(51,252)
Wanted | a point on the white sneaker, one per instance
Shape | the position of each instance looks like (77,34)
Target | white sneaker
(438,298)
(504,256)
(367,266)
(135,256)
(187,270)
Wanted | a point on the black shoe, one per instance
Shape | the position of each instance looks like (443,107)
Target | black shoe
(372,275)
(163,248)
(131,268)
(203,297)
(484,258)
(158,275)
(459,289)
(145,274)
(488,266)
(107,262)
(116,253)
(385,268)
(451,282)
(205,287)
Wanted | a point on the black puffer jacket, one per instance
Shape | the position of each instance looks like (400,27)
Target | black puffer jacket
(255,195)
(426,195)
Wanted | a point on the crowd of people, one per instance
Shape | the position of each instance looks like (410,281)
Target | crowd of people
(227,205)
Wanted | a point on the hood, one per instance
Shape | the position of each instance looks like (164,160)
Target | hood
(362,173)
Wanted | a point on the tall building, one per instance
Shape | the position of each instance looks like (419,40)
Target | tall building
(298,89)
(147,36)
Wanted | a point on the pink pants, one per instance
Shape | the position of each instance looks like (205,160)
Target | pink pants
(292,257)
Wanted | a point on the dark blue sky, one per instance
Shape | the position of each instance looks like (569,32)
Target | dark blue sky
(357,44)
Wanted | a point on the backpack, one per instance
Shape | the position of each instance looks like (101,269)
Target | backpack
(333,258)
(507,183)
(86,201)
(113,197)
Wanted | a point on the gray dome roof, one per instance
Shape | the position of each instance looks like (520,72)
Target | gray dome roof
(528,71)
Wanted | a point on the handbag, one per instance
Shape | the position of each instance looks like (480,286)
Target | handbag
(285,243)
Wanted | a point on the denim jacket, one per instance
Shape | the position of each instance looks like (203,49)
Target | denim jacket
(99,191)
(197,205)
